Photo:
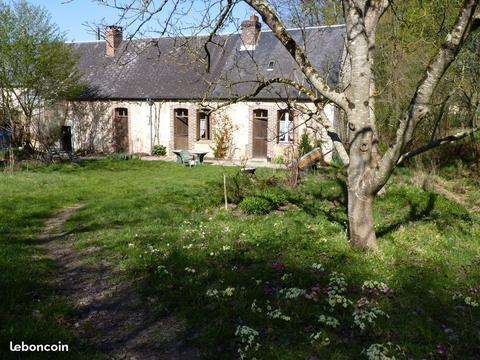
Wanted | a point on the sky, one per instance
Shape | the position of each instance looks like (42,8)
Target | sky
(71,16)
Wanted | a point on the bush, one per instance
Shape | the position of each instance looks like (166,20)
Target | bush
(254,205)
(159,150)
(270,180)
(276,197)
(238,186)
(305,145)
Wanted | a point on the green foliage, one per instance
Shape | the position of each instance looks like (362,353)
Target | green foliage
(275,196)
(254,205)
(407,39)
(278,160)
(159,150)
(37,67)
(239,185)
(305,145)
(288,281)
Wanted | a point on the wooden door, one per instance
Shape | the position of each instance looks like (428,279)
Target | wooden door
(180,129)
(260,128)
(120,130)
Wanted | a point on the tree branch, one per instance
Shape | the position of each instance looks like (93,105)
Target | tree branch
(217,26)
(434,144)
(270,18)
(321,117)
(420,104)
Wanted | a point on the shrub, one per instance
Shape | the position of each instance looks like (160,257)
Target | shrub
(159,150)
(254,205)
(276,197)
(304,145)
(269,180)
(238,186)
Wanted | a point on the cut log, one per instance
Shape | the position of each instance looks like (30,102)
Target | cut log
(310,158)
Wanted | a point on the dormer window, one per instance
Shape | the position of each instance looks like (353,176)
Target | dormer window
(271,64)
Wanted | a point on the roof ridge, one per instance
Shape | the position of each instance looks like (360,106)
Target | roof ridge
(219,34)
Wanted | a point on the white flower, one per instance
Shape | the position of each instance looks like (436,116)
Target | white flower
(292,293)
(229,291)
(255,308)
(212,292)
(277,314)
(381,352)
(162,269)
(367,316)
(329,320)
(470,301)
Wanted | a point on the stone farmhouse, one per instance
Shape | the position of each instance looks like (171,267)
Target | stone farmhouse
(147,92)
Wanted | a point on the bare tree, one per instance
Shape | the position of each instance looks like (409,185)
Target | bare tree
(368,170)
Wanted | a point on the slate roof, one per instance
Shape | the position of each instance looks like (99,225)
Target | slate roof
(170,68)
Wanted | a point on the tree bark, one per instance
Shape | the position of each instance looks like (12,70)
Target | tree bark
(360,220)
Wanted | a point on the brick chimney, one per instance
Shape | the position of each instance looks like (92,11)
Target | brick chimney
(250,32)
(113,38)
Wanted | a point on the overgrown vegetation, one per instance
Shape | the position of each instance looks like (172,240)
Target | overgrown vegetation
(285,285)
(223,135)
(37,74)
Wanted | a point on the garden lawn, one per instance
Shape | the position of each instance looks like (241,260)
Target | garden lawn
(282,285)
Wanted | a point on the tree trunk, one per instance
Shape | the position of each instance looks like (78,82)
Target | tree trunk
(360,220)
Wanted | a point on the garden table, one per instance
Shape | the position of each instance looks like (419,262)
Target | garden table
(199,155)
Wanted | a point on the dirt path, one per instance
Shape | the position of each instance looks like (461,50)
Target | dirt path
(109,316)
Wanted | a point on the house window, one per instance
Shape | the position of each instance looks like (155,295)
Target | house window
(260,114)
(182,116)
(271,64)
(285,126)
(203,125)
(121,112)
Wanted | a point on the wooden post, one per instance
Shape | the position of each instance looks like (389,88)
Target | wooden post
(225,190)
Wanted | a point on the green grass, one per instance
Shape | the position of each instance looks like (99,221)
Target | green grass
(221,270)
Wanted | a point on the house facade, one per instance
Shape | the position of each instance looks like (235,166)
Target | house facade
(149,92)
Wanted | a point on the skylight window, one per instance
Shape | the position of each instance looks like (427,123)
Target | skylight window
(271,64)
